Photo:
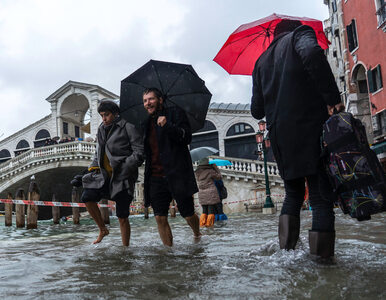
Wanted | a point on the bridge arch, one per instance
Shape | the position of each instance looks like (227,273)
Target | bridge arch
(22,146)
(40,137)
(4,155)
(72,112)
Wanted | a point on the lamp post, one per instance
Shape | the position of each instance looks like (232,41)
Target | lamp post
(264,143)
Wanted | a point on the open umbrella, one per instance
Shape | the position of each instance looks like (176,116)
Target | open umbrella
(202,152)
(179,84)
(220,162)
(245,45)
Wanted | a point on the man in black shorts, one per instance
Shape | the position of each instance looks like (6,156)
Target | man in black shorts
(114,169)
(168,169)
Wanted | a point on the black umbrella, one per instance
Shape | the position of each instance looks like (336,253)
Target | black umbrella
(179,84)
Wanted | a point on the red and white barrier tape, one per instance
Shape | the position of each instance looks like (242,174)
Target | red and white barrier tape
(71,204)
(50,203)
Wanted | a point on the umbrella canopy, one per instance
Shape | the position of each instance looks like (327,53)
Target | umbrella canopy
(202,152)
(220,162)
(179,84)
(245,45)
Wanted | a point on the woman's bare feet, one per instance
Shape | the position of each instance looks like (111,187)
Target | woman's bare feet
(102,233)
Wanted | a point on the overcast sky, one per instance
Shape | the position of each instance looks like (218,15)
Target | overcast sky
(45,43)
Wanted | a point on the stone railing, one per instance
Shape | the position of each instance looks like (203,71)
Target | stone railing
(244,168)
(66,149)
(248,166)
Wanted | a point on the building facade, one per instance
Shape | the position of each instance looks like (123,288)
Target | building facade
(359,27)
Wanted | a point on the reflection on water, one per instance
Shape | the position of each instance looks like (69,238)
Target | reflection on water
(239,258)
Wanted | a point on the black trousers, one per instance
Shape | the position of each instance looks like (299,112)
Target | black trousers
(321,199)
(208,209)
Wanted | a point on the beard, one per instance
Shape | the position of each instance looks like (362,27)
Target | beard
(158,108)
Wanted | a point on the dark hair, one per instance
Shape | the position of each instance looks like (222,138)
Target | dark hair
(286,26)
(156,92)
(110,106)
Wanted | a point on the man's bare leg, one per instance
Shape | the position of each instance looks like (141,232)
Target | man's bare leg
(194,223)
(95,213)
(164,230)
(124,225)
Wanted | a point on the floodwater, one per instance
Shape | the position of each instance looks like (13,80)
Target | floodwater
(237,259)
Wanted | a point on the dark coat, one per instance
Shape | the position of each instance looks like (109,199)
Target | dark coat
(124,149)
(292,86)
(173,140)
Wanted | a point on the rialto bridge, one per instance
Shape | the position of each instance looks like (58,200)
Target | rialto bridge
(229,128)
(54,166)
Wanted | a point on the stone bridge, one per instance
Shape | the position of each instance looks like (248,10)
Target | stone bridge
(54,167)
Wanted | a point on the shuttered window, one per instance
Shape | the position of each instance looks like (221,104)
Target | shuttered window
(374,78)
(352,38)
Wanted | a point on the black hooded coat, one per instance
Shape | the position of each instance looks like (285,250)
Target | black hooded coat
(292,86)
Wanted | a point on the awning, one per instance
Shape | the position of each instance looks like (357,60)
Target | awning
(379,148)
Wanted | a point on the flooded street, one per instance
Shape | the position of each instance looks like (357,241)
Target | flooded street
(237,259)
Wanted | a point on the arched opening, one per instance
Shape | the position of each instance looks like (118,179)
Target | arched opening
(4,155)
(361,107)
(21,147)
(41,138)
(240,141)
(74,113)
(205,137)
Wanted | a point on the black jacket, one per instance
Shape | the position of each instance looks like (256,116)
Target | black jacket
(292,85)
(173,140)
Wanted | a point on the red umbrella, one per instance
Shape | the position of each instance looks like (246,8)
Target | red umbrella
(245,45)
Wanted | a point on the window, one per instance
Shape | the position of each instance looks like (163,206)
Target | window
(333,4)
(77,131)
(381,11)
(379,123)
(374,78)
(65,128)
(240,128)
(352,37)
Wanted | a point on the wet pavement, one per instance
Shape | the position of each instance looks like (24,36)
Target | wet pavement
(237,259)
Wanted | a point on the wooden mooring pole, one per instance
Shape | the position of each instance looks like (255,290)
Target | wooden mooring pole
(8,211)
(20,209)
(75,210)
(173,209)
(32,210)
(55,211)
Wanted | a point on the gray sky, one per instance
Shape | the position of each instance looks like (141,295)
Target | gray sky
(45,43)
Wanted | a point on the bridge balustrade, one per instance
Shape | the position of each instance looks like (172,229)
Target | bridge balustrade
(249,166)
(70,148)
(239,166)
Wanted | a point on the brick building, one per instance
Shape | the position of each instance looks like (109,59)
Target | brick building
(360,29)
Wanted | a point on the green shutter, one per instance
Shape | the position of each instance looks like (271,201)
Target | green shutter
(378,77)
(370,80)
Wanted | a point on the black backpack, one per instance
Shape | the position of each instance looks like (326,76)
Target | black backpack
(353,168)
(221,189)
